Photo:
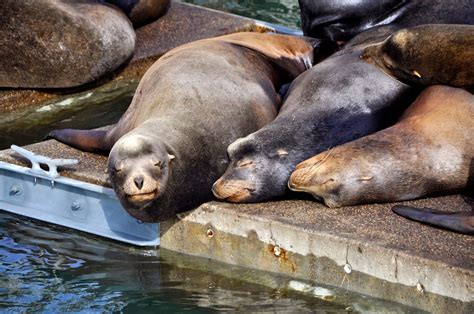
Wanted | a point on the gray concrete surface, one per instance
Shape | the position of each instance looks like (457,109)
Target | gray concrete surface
(390,257)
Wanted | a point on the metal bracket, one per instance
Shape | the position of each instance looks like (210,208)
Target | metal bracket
(38,160)
(47,196)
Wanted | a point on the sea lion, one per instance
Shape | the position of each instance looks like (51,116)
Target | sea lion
(338,100)
(434,54)
(429,151)
(343,19)
(170,145)
(141,11)
(61,43)
(462,222)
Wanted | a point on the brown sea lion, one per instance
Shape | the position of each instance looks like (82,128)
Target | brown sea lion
(428,55)
(170,145)
(429,151)
(61,43)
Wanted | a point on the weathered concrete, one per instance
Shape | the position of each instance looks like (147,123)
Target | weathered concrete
(389,256)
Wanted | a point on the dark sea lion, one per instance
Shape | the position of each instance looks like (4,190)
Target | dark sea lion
(338,100)
(170,145)
(431,54)
(343,19)
(462,222)
(141,11)
(429,151)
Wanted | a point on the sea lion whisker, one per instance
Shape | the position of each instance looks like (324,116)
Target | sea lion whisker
(320,162)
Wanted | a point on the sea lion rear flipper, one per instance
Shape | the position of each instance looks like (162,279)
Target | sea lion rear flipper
(462,222)
(294,54)
(94,141)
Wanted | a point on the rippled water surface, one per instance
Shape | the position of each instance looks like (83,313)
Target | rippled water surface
(51,269)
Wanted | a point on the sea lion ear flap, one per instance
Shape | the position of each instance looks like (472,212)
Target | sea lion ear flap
(294,54)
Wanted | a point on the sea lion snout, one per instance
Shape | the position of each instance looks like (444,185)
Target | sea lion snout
(235,191)
(138,182)
(319,176)
(308,180)
(141,188)
(299,180)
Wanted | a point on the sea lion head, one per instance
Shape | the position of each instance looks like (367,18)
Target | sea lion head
(426,55)
(336,178)
(252,175)
(139,171)
(398,57)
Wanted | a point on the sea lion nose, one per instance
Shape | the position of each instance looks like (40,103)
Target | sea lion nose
(216,187)
(138,182)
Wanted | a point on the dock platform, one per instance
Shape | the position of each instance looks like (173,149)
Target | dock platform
(366,249)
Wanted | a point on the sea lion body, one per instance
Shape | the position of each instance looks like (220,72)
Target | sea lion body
(429,151)
(170,145)
(434,54)
(343,19)
(141,11)
(338,100)
(61,43)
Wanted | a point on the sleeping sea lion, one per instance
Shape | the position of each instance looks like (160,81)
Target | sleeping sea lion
(343,19)
(338,100)
(170,145)
(429,151)
(434,54)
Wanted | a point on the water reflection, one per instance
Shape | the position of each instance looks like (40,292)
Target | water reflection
(86,110)
(45,268)
(52,269)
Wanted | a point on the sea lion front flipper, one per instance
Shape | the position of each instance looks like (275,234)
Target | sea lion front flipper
(294,54)
(94,141)
(462,222)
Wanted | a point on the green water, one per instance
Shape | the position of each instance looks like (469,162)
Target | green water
(50,269)
(282,12)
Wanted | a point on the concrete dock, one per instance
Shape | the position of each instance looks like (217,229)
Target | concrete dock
(366,249)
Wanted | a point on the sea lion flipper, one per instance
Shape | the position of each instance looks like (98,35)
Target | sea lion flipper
(462,222)
(94,141)
(294,54)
